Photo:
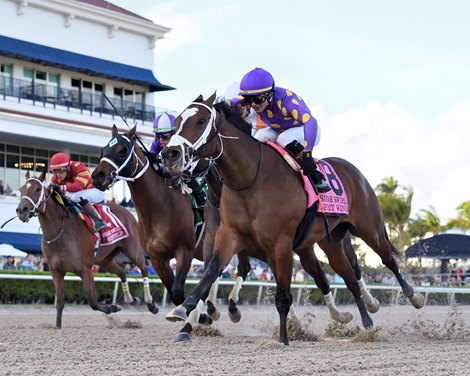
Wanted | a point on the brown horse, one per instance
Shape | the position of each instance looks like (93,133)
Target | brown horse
(166,217)
(69,247)
(308,258)
(263,202)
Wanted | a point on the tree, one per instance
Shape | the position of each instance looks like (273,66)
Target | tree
(463,217)
(396,208)
(427,221)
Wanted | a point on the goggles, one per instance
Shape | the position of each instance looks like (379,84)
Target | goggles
(164,136)
(255,99)
(59,171)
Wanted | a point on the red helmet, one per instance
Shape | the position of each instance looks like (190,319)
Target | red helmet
(59,161)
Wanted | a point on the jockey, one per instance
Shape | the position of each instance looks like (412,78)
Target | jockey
(164,128)
(74,179)
(290,122)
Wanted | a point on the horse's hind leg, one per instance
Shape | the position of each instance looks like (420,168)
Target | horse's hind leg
(89,286)
(211,299)
(341,265)
(58,278)
(113,267)
(312,266)
(372,304)
(243,270)
(382,245)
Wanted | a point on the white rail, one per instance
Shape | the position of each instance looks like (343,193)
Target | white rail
(299,286)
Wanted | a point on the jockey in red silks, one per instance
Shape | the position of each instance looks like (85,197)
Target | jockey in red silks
(164,128)
(74,179)
(288,119)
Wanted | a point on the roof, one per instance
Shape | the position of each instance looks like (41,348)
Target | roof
(443,246)
(80,63)
(112,7)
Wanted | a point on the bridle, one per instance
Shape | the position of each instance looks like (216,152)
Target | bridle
(35,211)
(123,170)
(190,151)
(42,201)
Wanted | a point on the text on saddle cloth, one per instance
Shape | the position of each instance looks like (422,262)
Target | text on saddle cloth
(333,202)
(115,230)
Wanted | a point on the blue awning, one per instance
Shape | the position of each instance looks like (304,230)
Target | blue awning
(22,241)
(81,63)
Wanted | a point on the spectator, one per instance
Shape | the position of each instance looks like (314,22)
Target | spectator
(1,187)
(130,203)
(264,275)
(151,269)
(112,201)
(95,269)
(252,275)
(124,202)
(28,263)
(8,191)
(10,264)
(42,265)
(135,270)
(300,275)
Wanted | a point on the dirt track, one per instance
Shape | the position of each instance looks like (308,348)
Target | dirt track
(435,340)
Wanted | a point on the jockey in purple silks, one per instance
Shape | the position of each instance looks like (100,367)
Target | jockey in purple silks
(288,119)
(164,128)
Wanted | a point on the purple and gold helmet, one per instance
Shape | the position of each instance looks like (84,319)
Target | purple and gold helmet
(164,123)
(256,82)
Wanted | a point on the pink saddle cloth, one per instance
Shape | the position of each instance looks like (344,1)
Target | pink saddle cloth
(333,202)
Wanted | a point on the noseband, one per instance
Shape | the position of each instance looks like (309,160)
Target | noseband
(128,172)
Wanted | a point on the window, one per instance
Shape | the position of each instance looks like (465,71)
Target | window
(41,76)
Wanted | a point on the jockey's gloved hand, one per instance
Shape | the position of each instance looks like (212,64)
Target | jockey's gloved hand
(57,187)
(307,163)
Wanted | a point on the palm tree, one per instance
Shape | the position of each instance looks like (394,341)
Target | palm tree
(396,208)
(463,217)
(427,221)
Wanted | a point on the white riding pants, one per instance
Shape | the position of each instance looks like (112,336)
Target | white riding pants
(284,138)
(92,195)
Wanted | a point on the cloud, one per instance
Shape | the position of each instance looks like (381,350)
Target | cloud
(385,140)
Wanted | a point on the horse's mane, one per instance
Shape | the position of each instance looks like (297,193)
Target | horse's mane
(233,116)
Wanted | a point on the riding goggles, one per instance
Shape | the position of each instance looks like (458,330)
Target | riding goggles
(163,136)
(255,99)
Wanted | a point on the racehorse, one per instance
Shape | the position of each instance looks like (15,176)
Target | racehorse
(263,201)
(166,217)
(69,246)
(308,258)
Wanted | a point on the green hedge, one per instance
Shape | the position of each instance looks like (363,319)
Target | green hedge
(22,291)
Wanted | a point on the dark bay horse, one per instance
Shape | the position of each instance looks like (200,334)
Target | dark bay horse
(263,202)
(166,217)
(69,247)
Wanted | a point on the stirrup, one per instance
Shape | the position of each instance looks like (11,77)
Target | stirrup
(322,186)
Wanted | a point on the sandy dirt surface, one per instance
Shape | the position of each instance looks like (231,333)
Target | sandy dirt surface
(404,341)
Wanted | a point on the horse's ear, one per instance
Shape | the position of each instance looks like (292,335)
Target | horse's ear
(131,133)
(114,130)
(42,177)
(27,176)
(210,101)
(199,99)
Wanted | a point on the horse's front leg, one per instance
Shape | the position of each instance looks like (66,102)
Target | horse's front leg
(283,258)
(58,278)
(184,258)
(90,290)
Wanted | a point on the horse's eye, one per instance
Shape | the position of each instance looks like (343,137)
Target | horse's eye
(201,121)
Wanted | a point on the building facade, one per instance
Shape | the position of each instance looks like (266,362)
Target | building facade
(69,69)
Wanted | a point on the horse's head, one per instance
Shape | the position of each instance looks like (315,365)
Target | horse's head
(33,196)
(119,160)
(196,129)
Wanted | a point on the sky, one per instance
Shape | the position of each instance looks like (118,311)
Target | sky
(387,81)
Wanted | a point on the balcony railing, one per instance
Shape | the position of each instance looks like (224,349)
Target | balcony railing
(93,103)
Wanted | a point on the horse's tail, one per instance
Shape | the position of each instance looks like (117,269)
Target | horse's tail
(395,251)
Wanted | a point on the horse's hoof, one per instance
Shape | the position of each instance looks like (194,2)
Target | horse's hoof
(177,314)
(182,337)
(374,306)
(205,319)
(367,323)
(136,301)
(235,316)
(212,311)
(152,307)
(115,308)
(284,341)
(343,317)
(417,300)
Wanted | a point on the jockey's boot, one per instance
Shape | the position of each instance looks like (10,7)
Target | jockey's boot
(310,167)
(98,223)
(198,192)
